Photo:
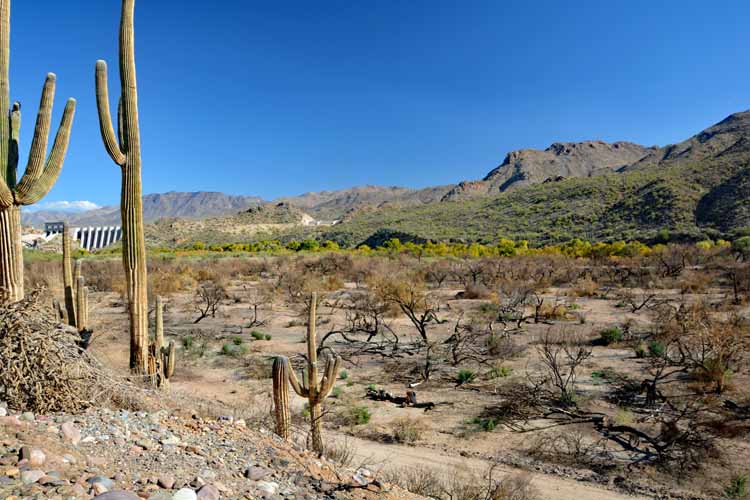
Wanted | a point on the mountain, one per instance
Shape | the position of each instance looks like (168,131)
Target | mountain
(334,205)
(559,161)
(155,206)
(699,188)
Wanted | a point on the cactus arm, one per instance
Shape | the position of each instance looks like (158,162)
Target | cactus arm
(299,389)
(121,125)
(15,138)
(169,361)
(35,165)
(281,370)
(82,312)
(6,196)
(105,118)
(44,183)
(326,385)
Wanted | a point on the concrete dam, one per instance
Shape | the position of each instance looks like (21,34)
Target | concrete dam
(89,238)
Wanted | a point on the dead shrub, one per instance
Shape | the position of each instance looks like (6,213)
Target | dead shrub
(407,430)
(585,287)
(44,369)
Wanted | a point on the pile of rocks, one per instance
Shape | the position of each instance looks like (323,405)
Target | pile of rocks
(121,455)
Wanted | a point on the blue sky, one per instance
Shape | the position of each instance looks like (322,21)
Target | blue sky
(274,98)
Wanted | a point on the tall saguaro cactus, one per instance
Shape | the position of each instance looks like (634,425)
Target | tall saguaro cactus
(125,150)
(315,392)
(41,170)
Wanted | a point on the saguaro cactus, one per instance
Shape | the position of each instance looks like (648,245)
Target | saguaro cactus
(281,374)
(125,150)
(161,359)
(315,392)
(68,284)
(41,170)
(76,292)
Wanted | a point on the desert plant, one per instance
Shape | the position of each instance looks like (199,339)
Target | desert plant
(611,335)
(41,173)
(312,389)
(466,376)
(125,151)
(161,359)
(738,486)
(407,430)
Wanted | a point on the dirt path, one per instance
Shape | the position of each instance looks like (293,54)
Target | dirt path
(378,455)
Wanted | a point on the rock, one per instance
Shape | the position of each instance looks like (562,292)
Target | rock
(170,440)
(31,476)
(34,456)
(3,411)
(160,495)
(166,482)
(104,481)
(71,433)
(185,494)
(117,495)
(99,488)
(209,492)
(267,489)
(27,417)
(256,473)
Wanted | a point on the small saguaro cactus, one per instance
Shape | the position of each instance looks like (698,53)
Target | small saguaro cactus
(125,150)
(76,292)
(41,171)
(315,392)
(161,359)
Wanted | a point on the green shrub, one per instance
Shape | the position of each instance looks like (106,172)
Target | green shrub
(500,372)
(188,342)
(233,350)
(465,376)
(611,335)
(738,487)
(485,424)
(268,336)
(336,392)
(237,341)
(359,415)
(372,387)
(258,335)
(343,374)
(656,349)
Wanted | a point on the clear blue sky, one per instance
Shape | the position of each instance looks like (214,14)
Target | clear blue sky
(273,98)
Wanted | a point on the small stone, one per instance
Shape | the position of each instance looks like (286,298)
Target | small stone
(99,488)
(104,481)
(209,492)
(170,440)
(267,489)
(3,411)
(27,416)
(256,473)
(71,433)
(31,476)
(118,495)
(185,494)
(34,456)
(166,482)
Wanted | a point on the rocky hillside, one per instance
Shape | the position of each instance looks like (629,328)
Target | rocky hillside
(163,455)
(334,205)
(560,161)
(155,206)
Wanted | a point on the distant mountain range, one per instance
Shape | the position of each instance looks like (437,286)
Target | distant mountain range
(590,189)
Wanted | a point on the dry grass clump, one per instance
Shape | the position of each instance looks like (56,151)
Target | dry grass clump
(42,368)
(458,484)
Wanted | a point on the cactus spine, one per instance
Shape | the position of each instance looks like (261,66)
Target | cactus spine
(315,392)
(41,170)
(125,150)
(161,359)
